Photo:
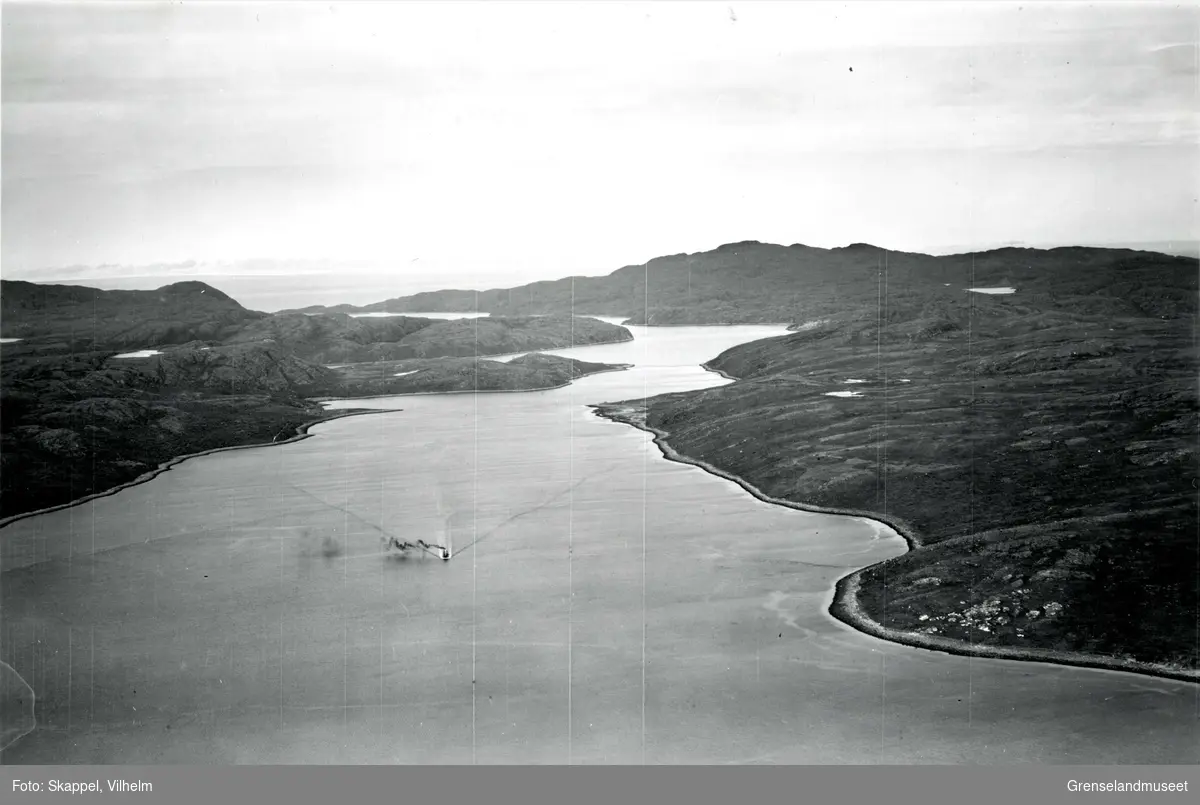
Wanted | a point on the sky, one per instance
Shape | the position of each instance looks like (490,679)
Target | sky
(499,143)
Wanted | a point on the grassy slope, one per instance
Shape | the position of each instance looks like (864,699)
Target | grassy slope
(760,282)
(67,318)
(1044,452)
(79,318)
(1043,455)
(75,421)
(526,373)
(79,424)
(339,338)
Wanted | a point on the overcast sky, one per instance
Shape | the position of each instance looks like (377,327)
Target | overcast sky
(546,139)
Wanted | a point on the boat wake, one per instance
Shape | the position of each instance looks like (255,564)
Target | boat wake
(17,704)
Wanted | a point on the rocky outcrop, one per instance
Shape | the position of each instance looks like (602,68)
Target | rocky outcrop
(264,367)
(81,318)
(526,373)
(763,282)
(1034,452)
(339,338)
(78,424)
(498,336)
(333,338)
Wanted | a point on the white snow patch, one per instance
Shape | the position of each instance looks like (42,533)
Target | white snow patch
(141,353)
(843,394)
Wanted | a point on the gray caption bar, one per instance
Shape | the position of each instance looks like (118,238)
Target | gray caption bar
(262,785)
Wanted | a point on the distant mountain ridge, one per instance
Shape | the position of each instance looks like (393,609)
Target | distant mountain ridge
(70,318)
(77,416)
(339,338)
(1039,448)
(79,423)
(752,282)
(83,316)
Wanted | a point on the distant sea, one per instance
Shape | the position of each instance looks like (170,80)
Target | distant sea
(275,292)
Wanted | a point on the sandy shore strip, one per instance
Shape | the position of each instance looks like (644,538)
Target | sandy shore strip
(845,608)
(844,605)
(301,434)
(709,368)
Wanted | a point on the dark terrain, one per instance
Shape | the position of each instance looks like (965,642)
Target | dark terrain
(446,375)
(1042,453)
(754,282)
(76,420)
(79,317)
(340,338)
(73,318)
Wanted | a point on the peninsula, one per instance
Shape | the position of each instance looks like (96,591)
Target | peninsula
(1026,418)
(1036,447)
(102,387)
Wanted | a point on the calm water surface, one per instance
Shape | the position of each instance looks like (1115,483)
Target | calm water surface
(604,606)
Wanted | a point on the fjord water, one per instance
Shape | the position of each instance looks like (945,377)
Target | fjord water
(604,605)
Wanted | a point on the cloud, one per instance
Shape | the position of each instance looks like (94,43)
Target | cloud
(145,133)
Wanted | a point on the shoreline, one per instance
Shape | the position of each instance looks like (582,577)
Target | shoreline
(300,435)
(709,368)
(844,606)
(720,324)
(544,351)
(622,367)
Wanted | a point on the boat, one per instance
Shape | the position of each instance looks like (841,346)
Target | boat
(403,546)
(441,548)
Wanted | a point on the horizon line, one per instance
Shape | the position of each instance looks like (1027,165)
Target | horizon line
(1186,247)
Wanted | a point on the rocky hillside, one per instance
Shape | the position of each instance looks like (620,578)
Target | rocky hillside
(333,338)
(340,338)
(78,415)
(1041,447)
(66,318)
(78,423)
(75,424)
(499,336)
(72,317)
(250,368)
(762,282)
(527,372)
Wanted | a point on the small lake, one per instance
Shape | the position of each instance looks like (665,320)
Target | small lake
(446,316)
(604,605)
(141,353)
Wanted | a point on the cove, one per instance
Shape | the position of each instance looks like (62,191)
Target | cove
(604,605)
